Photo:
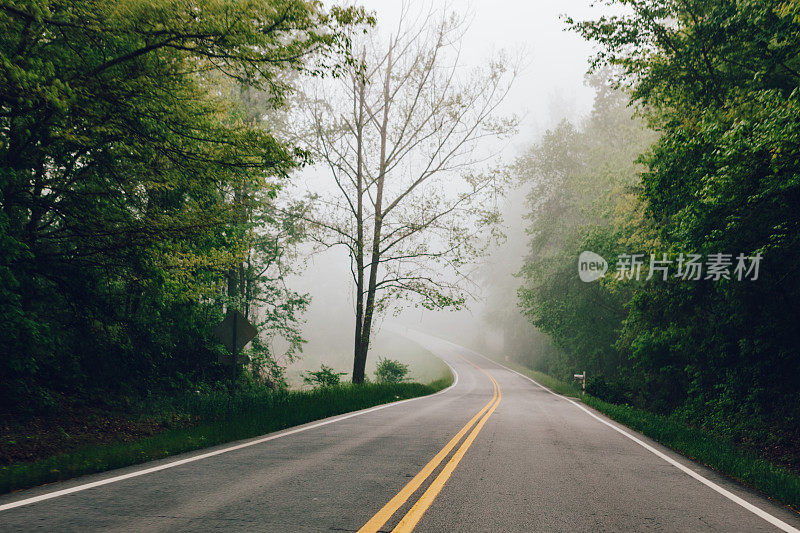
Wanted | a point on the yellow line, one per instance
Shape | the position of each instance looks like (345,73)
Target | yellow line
(386,512)
(409,521)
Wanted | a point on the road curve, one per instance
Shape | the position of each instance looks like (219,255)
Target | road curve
(493,453)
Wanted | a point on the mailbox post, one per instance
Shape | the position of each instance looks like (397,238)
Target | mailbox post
(582,379)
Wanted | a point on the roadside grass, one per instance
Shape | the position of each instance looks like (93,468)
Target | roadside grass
(222,418)
(721,454)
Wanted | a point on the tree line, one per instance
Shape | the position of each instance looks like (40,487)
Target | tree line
(146,149)
(139,167)
(691,149)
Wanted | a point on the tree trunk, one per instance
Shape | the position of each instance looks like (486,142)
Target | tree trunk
(362,345)
(359,356)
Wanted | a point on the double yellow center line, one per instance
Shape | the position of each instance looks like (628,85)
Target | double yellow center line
(413,516)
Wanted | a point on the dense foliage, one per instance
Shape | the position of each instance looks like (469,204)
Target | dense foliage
(718,82)
(582,198)
(135,166)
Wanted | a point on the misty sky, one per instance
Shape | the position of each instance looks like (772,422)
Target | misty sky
(552,83)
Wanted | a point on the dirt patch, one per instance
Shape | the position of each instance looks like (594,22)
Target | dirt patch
(785,454)
(76,427)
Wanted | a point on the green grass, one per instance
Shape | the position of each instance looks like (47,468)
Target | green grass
(223,418)
(720,454)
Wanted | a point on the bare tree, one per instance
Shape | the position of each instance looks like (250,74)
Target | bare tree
(415,195)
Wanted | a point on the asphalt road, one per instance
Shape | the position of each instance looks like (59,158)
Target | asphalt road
(495,452)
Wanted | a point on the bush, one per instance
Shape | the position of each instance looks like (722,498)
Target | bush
(609,391)
(324,377)
(390,371)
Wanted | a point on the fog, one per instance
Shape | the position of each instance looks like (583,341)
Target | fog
(549,88)
(206,205)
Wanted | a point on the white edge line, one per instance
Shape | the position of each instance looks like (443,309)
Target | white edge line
(707,482)
(284,433)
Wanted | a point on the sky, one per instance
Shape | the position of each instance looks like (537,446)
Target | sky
(555,60)
(549,88)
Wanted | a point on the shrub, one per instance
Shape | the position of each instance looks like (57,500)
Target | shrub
(390,371)
(324,377)
(609,391)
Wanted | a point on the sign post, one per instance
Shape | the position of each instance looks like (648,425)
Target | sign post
(234,350)
(235,331)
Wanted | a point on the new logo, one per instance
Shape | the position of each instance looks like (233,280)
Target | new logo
(591,266)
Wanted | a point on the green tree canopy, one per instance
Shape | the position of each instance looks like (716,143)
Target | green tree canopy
(120,155)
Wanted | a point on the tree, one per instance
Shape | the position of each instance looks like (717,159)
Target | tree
(400,137)
(266,237)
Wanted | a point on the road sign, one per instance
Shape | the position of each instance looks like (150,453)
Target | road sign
(235,332)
